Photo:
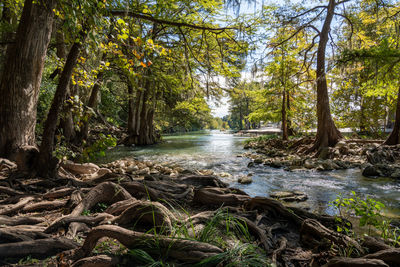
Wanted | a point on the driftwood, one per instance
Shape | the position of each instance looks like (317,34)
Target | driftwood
(355,262)
(180,249)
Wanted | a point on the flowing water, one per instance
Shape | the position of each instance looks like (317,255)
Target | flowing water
(219,152)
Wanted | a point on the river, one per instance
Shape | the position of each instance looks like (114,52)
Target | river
(219,152)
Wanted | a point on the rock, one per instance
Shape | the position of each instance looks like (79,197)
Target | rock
(341,144)
(395,174)
(225,174)
(276,164)
(144,171)
(289,196)
(309,164)
(370,171)
(251,164)
(258,161)
(132,168)
(245,180)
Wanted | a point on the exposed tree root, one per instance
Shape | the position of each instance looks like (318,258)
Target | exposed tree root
(180,249)
(152,213)
(118,207)
(97,261)
(58,193)
(65,221)
(15,234)
(390,256)
(44,205)
(11,209)
(11,221)
(313,233)
(374,244)
(277,252)
(36,248)
(139,190)
(273,208)
(9,191)
(219,196)
(355,262)
(106,192)
(201,181)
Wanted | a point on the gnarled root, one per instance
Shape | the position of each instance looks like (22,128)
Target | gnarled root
(97,261)
(390,256)
(152,213)
(107,192)
(219,196)
(202,181)
(64,222)
(274,208)
(355,262)
(312,232)
(36,248)
(12,221)
(180,249)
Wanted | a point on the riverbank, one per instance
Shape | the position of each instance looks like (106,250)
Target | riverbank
(133,211)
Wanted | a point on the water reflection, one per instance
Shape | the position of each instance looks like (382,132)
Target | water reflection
(218,151)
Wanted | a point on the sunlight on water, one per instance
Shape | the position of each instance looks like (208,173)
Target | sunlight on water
(218,151)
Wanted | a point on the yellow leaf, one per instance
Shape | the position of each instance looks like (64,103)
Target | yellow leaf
(143,64)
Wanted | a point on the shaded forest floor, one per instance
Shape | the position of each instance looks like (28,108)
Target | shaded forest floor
(132,213)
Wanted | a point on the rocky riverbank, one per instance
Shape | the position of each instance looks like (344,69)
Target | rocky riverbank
(374,159)
(142,213)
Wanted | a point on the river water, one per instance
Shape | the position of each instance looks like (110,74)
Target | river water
(219,152)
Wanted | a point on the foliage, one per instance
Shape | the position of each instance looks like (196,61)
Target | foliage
(369,213)
(98,148)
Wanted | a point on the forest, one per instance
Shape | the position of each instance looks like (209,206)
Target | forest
(111,153)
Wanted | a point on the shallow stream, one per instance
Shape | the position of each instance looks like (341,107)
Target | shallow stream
(219,152)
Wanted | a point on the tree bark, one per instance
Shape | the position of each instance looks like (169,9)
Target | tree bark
(284,121)
(22,75)
(327,133)
(394,136)
(92,102)
(46,164)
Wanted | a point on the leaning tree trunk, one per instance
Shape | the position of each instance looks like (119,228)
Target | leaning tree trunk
(22,75)
(394,136)
(284,121)
(327,133)
(46,164)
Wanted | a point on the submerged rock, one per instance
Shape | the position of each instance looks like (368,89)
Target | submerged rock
(245,180)
(289,196)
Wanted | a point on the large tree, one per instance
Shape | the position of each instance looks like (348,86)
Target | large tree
(21,77)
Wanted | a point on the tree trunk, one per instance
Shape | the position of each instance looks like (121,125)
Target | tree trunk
(22,75)
(284,121)
(288,120)
(394,136)
(46,164)
(327,133)
(92,102)
(362,115)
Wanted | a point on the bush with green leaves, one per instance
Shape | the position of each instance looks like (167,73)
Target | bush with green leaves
(369,213)
(98,148)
